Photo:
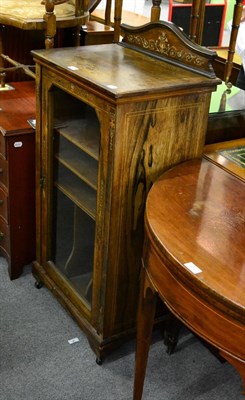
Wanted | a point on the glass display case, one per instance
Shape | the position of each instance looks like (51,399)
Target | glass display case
(110,119)
(76,144)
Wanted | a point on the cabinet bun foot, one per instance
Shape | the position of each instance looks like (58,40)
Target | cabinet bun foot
(99,361)
(38,284)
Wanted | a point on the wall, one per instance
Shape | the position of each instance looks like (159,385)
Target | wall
(136,6)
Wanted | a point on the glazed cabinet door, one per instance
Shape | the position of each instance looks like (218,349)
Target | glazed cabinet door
(73,179)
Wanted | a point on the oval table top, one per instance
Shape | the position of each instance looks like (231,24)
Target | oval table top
(200,228)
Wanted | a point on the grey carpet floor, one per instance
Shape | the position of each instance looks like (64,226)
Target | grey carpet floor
(37,362)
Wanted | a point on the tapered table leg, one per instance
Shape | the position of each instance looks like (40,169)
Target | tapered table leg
(238,364)
(145,320)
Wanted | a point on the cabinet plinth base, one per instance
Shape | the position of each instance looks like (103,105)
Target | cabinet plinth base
(101,347)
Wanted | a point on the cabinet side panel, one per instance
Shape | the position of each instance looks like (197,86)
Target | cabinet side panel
(150,138)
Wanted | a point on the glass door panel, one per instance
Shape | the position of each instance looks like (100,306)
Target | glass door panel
(76,141)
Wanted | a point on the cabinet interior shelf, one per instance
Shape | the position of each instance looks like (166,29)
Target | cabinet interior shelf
(83,133)
(77,191)
(85,167)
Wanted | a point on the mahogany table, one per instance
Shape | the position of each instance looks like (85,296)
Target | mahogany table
(194,259)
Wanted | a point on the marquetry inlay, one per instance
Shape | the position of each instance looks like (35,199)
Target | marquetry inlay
(163,46)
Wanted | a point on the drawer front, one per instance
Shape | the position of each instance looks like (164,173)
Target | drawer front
(4,237)
(2,146)
(4,173)
(4,205)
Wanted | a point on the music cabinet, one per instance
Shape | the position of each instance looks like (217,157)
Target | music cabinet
(17,176)
(110,119)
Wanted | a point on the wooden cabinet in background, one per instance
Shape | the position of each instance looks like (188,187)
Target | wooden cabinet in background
(213,20)
(17,176)
(110,120)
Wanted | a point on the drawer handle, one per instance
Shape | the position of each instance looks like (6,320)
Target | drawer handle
(1,235)
(1,170)
(1,202)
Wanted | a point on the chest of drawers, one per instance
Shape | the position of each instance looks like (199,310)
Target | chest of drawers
(17,177)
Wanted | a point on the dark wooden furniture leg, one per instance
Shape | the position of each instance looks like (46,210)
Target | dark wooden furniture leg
(146,314)
(171,330)
(238,364)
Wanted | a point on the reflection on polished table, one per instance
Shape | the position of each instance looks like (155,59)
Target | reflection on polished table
(226,119)
(194,259)
(227,100)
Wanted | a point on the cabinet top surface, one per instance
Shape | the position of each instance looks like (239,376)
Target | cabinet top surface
(16,107)
(121,71)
